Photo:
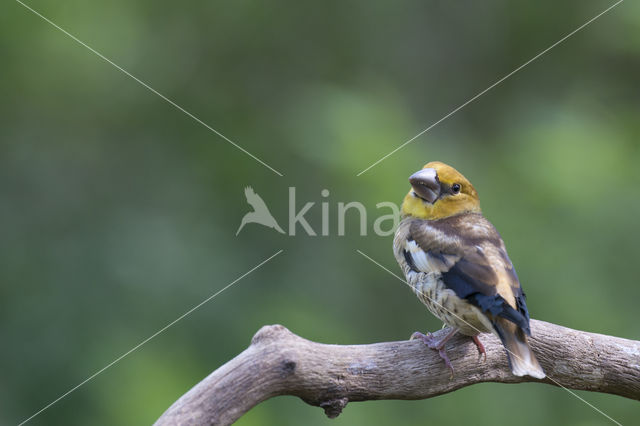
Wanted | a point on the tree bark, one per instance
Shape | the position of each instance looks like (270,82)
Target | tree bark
(279,362)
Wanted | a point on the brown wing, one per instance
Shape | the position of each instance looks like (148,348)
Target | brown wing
(469,253)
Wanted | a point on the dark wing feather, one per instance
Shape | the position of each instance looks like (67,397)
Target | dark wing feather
(472,276)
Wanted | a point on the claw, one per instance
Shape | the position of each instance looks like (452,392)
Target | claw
(418,335)
(480,347)
(443,355)
(432,343)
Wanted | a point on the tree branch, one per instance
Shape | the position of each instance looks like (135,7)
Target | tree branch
(279,362)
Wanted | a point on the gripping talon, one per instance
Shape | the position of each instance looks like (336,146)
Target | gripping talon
(416,335)
(443,355)
(438,344)
(480,347)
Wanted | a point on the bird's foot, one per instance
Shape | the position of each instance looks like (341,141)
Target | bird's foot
(438,344)
(480,347)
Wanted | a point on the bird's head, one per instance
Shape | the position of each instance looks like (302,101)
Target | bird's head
(439,191)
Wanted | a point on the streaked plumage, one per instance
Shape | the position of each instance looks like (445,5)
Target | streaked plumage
(458,266)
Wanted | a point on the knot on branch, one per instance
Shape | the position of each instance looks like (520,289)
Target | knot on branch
(333,407)
(269,333)
(287,368)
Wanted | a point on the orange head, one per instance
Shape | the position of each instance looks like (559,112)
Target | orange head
(439,191)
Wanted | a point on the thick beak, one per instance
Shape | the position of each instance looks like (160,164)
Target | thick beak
(426,185)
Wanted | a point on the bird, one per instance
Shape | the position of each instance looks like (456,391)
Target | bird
(260,213)
(456,263)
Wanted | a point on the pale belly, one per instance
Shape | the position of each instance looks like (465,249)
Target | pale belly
(446,306)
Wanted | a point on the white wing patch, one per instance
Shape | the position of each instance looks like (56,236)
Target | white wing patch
(419,257)
(425,262)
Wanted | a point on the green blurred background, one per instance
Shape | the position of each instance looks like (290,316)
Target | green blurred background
(118,212)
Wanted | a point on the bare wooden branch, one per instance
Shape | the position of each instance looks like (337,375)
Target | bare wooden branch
(279,362)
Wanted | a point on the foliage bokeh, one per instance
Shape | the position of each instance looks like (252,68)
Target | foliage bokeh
(118,212)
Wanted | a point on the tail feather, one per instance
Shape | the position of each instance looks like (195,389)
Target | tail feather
(521,359)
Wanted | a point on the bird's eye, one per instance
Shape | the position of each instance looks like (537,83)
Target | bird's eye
(455,188)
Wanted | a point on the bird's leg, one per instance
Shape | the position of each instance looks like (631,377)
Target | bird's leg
(480,347)
(437,344)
